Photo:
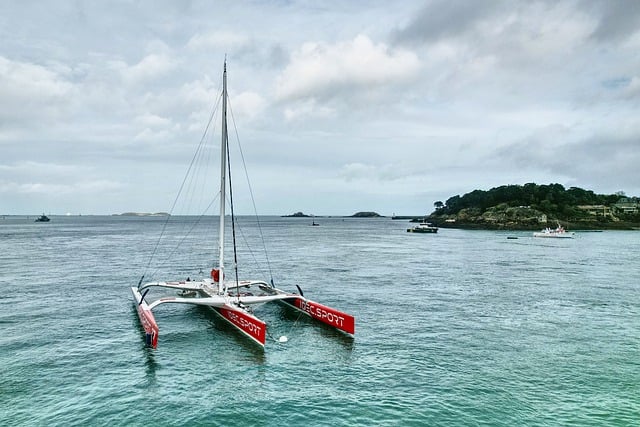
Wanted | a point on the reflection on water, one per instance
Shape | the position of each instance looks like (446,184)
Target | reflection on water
(151,366)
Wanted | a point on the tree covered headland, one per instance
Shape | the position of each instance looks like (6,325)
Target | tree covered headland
(526,204)
(552,198)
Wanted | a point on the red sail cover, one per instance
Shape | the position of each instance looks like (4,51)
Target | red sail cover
(251,326)
(328,315)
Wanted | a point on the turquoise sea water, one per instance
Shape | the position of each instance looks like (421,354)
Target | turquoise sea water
(457,328)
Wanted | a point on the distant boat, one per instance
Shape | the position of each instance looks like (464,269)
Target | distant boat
(42,218)
(423,227)
(558,232)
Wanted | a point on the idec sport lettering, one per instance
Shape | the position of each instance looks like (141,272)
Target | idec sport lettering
(252,328)
(320,313)
(328,315)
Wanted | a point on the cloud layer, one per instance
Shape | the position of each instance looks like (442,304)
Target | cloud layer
(339,109)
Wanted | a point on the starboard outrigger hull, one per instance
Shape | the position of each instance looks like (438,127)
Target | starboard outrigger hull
(327,315)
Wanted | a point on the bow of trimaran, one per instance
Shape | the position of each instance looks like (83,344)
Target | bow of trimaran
(233,301)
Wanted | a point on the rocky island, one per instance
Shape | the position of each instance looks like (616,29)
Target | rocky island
(355,215)
(366,215)
(532,206)
(142,214)
(296,215)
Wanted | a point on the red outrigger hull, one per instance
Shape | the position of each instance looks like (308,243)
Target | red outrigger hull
(330,316)
(149,324)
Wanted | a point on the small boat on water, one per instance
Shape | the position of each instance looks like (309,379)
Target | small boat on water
(423,227)
(229,297)
(558,232)
(42,218)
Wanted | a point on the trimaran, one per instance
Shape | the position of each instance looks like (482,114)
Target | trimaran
(232,300)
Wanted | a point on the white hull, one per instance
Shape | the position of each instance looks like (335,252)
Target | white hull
(423,227)
(565,235)
(557,233)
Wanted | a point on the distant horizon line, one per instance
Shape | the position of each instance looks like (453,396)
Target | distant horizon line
(165,214)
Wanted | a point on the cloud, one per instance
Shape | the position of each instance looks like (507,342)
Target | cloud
(527,36)
(149,119)
(31,168)
(149,68)
(248,104)
(28,90)
(225,40)
(632,90)
(355,171)
(600,159)
(444,18)
(154,127)
(374,173)
(320,70)
(616,20)
(308,108)
(50,189)
(52,179)
(334,104)
(153,135)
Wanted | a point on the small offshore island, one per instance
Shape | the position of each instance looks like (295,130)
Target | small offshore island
(142,214)
(532,206)
(297,215)
(355,215)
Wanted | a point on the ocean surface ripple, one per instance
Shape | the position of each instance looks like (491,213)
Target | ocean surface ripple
(456,328)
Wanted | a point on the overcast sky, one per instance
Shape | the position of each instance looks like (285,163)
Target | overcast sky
(340,106)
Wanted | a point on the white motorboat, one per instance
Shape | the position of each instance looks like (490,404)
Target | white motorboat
(558,232)
(423,227)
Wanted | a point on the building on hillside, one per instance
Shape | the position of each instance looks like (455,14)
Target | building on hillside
(596,210)
(626,206)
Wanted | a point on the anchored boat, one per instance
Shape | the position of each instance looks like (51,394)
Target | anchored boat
(232,299)
(42,218)
(423,227)
(558,232)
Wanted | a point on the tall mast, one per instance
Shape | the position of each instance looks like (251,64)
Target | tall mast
(223,175)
